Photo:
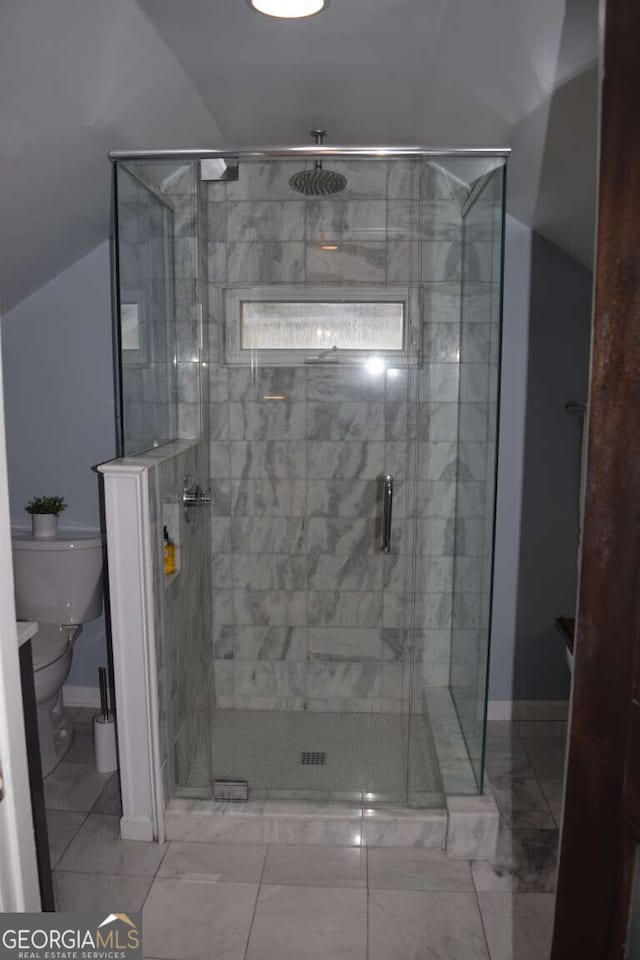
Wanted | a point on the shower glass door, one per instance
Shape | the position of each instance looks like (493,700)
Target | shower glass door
(315,315)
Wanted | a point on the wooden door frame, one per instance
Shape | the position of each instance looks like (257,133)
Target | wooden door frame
(593,882)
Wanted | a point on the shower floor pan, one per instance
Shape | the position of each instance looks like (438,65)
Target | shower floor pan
(328,778)
(353,757)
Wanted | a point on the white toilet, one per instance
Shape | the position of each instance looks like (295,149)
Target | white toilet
(58,583)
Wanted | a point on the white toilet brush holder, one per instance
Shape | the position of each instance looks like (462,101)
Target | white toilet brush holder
(104,740)
(104,731)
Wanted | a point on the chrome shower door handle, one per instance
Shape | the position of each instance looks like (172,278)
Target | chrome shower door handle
(387,506)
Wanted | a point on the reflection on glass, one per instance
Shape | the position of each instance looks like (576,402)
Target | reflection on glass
(147,315)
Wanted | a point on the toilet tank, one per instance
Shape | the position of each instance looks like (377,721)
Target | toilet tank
(58,581)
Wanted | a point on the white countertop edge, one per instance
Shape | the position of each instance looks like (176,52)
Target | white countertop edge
(26,630)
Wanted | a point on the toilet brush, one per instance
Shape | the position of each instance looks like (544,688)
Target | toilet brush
(104,730)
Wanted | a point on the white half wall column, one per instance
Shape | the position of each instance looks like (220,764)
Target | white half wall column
(130,563)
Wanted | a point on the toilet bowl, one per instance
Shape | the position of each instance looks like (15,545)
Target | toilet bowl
(58,584)
(52,650)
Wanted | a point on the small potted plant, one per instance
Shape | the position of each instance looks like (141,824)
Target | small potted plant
(44,516)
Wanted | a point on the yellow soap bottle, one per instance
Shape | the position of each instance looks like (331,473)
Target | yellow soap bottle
(169,553)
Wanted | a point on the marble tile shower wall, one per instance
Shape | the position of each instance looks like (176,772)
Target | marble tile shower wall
(308,614)
(182,616)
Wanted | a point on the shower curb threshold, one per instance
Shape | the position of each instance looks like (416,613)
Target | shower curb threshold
(466,828)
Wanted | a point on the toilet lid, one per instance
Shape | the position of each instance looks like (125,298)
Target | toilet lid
(49,643)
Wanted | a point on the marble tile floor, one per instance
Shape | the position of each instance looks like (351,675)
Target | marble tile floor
(244,901)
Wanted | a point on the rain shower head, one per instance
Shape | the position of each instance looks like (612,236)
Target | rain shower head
(317,182)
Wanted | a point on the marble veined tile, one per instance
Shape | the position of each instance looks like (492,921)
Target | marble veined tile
(272,607)
(191,920)
(438,382)
(507,757)
(438,421)
(342,498)
(267,459)
(441,302)
(403,179)
(309,923)
(357,680)
(269,571)
(407,924)
(267,262)
(386,826)
(472,829)
(321,866)
(341,536)
(267,420)
(358,262)
(441,260)
(440,219)
(97,848)
(338,643)
(263,180)
(414,868)
(346,420)
(265,220)
(343,384)
(351,460)
(73,894)
(62,826)
(73,786)
(260,535)
(522,803)
(440,343)
(253,384)
(339,220)
(344,609)
(525,861)
(553,791)
(229,862)
(358,572)
(270,643)
(269,678)
(546,755)
(268,498)
(402,220)
(366,179)
(518,926)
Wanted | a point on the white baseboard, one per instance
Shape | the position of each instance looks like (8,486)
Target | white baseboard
(528,710)
(136,828)
(74,696)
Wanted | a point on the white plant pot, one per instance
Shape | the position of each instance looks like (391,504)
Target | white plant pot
(44,526)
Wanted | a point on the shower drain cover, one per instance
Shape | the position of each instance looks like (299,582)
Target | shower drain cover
(313,758)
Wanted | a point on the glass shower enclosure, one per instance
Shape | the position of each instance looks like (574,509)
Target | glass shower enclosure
(332,363)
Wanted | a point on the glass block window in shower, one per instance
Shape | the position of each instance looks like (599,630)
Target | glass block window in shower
(295,325)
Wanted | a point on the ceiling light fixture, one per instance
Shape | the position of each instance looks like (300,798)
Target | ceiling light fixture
(288,9)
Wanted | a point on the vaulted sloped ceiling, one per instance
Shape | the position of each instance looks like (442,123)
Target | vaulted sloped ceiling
(82,76)
(78,78)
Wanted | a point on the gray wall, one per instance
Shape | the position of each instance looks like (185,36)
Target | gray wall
(546,340)
(558,370)
(58,384)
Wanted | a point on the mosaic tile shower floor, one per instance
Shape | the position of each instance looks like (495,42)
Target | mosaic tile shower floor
(321,756)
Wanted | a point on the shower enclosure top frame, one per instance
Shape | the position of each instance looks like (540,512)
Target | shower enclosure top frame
(353,152)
